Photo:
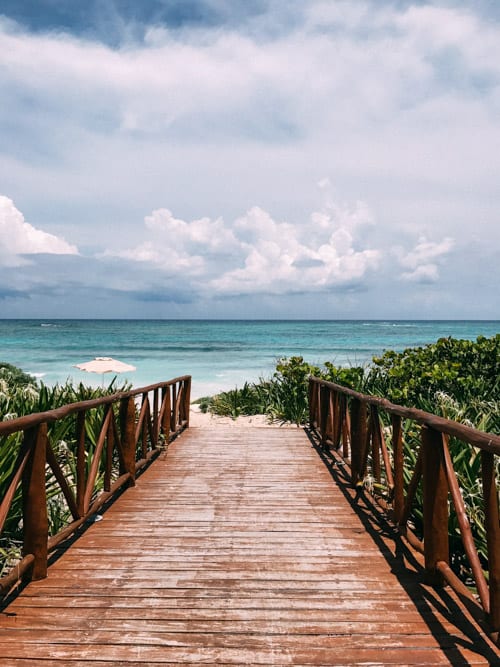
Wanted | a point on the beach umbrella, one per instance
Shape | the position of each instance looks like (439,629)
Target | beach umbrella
(105,365)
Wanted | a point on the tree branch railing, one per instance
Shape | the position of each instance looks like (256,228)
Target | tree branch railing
(350,423)
(111,439)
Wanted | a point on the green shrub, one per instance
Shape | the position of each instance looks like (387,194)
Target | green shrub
(353,377)
(248,400)
(15,377)
(466,371)
(283,397)
(463,369)
(288,390)
(26,397)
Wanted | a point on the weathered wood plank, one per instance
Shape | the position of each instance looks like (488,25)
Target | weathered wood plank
(238,547)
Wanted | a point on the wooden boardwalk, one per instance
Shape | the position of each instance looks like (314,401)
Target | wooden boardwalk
(238,547)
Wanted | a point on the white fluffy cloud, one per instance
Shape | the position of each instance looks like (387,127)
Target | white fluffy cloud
(180,263)
(175,245)
(19,238)
(257,254)
(422,261)
(285,258)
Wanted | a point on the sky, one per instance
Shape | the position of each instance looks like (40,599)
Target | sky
(250,159)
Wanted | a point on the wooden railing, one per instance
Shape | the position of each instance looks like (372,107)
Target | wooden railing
(351,424)
(131,429)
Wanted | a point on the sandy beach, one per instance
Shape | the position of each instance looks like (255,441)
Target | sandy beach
(198,419)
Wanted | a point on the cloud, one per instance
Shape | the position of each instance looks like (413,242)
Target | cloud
(18,238)
(257,254)
(284,258)
(211,112)
(11,294)
(422,261)
(175,245)
(211,83)
(319,266)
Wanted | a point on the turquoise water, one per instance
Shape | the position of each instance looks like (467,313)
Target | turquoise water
(219,354)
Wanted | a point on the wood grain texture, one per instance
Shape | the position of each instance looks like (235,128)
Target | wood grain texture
(239,547)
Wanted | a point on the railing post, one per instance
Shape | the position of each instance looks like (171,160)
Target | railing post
(81,477)
(346,428)
(145,425)
(435,509)
(312,403)
(156,425)
(376,442)
(397,449)
(173,414)
(166,418)
(337,419)
(492,526)
(187,400)
(325,413)
(35,521)
(110,446)
(358,440)
(127,430)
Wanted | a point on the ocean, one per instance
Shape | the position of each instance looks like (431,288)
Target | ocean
(219,354)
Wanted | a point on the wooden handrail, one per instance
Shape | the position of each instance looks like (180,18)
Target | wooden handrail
(128,439)
(23,423)
(487,441)
(348,422)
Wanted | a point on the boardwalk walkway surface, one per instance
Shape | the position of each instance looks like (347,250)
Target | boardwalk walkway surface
(237,547)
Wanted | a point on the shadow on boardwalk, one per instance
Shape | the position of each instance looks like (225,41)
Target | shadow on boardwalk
(434,604)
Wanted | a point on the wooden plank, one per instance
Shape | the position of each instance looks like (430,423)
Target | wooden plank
(133,619)
(238,547)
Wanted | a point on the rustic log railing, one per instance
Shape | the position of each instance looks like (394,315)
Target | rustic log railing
(131,431)
(350,423)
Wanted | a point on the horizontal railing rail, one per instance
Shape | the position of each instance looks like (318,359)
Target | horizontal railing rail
(353,425)
(78,457)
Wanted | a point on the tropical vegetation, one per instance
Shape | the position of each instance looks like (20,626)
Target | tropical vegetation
(455,378)
(21,394)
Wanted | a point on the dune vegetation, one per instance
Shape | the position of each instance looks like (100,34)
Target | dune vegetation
(458,379)
(21,394)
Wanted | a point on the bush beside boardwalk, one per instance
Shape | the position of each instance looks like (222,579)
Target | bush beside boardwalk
(21,394)
(458,379)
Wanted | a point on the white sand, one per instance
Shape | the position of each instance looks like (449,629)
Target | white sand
(198,419)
